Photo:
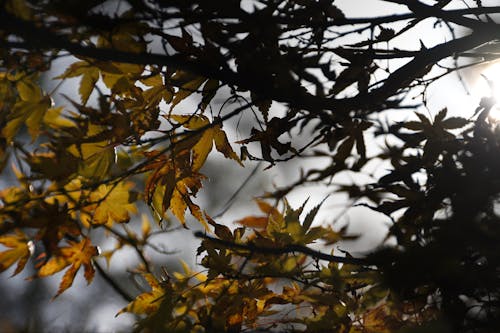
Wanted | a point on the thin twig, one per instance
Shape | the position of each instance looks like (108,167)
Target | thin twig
(112,283)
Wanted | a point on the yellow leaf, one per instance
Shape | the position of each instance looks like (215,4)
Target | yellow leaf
(110,79)
(190,121)
(146,226)
(152,81)
(29,113)
(35,119)
(29,91)
(77,255)
(190,85)
(116,75)
(55,119)
(223,146)
(146,303)
(181,200)
(178,206)
(111,204)
(129,69)
(98,157)
(20,250)
(75,69)
(87,84)
(201,149)
(206,140)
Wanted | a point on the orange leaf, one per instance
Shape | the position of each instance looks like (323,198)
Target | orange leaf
(269,210)
(76,255)
(259,222)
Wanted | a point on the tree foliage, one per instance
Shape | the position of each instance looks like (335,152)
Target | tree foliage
(83,165)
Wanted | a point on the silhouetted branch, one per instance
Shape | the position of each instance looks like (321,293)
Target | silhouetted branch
(291,248)
(112,283)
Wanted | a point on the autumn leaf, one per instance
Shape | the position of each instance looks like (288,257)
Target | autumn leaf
(146,303)
(188,84)
(180,199)
(171,186)
(261,222)
(380,320)
(89,74)
(111,204)
(20,249)
(269,210)
(29,110)
(209,90)
(54,118)
(76,255)
(257,222)
(204,145)
(96,157)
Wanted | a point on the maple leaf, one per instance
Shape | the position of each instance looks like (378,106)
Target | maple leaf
(96,156)
(171,186)
(188,84)
(180,199)
(77,254)
(257,222)
(29,110)
(212,134)
(20,250)
(146,303)
(89,74)
(261,222)
(112,203)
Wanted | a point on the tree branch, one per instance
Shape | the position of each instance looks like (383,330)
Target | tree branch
(288,249)
(119,290)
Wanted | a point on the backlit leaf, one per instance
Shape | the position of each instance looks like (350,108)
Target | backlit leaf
(258,222)
(76,255)
(87,84)
(20,249)
(190,84)
(111,204)
(206,140)
(146,303)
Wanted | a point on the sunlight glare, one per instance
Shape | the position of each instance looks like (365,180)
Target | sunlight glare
(488,85)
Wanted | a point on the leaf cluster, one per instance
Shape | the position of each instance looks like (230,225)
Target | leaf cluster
(312,83)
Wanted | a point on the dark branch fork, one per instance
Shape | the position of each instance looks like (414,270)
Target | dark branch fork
(42,38)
